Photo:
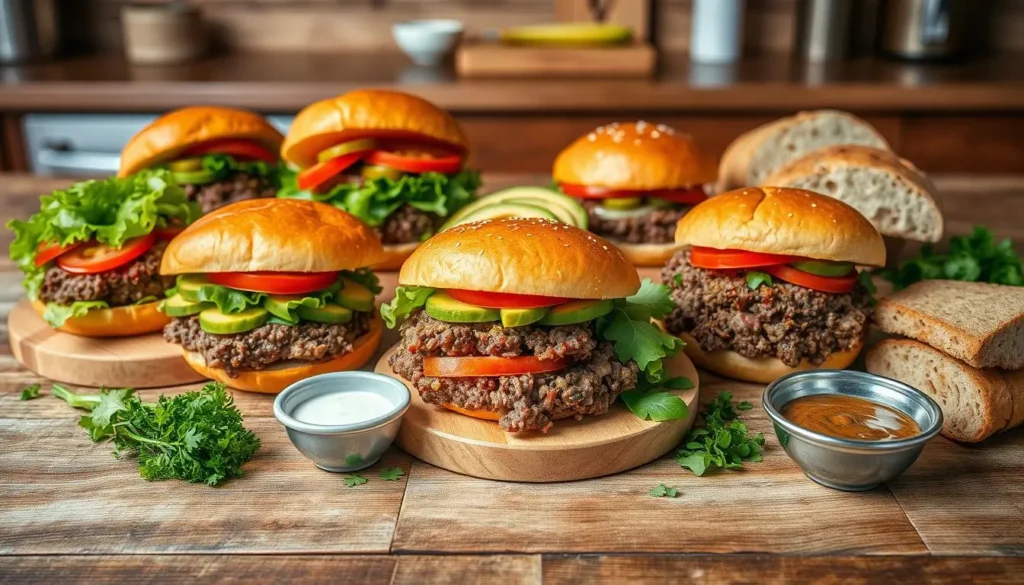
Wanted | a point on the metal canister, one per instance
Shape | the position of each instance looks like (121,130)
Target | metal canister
(926,29)
(28,30)
(822,29)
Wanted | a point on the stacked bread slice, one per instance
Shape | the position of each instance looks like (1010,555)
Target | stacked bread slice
(963,344)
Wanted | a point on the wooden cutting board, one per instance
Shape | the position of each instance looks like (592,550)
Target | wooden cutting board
(145,361)
(571,450)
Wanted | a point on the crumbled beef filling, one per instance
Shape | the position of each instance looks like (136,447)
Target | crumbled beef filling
(125,285)
(239,187)
(656,227)
(407,224)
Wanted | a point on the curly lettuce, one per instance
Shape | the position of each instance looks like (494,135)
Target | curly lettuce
(110,211)
(375,199)
(223,166)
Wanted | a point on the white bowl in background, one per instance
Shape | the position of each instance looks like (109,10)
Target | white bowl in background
(427,42)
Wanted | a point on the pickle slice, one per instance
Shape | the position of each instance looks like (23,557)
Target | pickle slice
(346,148)
(622,203)
(371,172)
(186,165)
(189,285)
(824,267)
(193,177)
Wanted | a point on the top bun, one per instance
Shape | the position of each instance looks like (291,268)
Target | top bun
(634,156)
(368,112)
(273,235)
(776,220)
(522,256)
(167,136)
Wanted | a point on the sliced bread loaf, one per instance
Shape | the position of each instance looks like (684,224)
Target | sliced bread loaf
(976,403)
(979,323)
(755,155)
(889,191)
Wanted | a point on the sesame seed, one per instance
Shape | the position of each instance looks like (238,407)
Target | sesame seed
(605,247)
(655,134)
(480,253)
(457,244)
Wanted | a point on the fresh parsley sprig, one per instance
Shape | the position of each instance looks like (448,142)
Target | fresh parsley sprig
(723,441)
(973,258)
(30,392)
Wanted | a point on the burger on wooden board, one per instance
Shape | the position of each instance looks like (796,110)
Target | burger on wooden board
(91,254)
(636,180)
(220,155)
(270,291)
(527,321)
(393,160)
(767,282)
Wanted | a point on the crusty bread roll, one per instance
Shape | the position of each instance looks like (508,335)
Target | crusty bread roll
(752,157)
(889,191)
(522,256)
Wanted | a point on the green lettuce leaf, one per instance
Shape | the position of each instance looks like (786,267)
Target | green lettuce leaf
(407,299)
(110,211)
(287,313)
(56,315)
(365,277)
(227,300)
(223,166)
(374,200)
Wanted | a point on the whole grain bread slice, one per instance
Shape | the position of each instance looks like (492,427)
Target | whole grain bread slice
(891,192)
(976,403)
(979,323)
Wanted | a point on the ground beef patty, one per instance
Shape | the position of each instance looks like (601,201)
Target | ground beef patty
(656,227)
(267,345)
(407,224)
(526,402)
(238,187)
(785,321)
(125,285)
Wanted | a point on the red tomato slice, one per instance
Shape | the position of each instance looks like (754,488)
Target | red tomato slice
(320,173)
(95,257)
(829,284)
(473,367)
(690,196)
(686,195)
(714,259)
(275,283)
(47,252)
(493,300)
(238,148)
(412,164)
(168,233)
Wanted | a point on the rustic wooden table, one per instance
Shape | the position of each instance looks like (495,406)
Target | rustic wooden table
(71,513)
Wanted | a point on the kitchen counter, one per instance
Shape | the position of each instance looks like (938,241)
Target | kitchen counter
(72,513)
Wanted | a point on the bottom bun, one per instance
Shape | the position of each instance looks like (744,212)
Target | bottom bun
(480,414)
(395,255)
(279,376)
(646,254)
(763,370)
(114,322)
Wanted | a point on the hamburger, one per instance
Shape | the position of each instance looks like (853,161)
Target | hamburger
(636,181)
(220,155)
(270,291)
(91,254)
(528,321)
(393,160)
(767,282)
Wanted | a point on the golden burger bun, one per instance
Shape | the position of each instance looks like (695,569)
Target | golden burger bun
(368,113)
(279,376)
(114,322)
(169,135)
(275,235)
(522,256)
(632,156)
(777,220)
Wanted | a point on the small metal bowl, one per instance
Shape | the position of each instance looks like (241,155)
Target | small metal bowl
(346,447)
(847,464)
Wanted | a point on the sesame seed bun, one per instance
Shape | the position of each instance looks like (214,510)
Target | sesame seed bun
(522,256)
(167,136)
(778,220)
(277,235)
(368,113)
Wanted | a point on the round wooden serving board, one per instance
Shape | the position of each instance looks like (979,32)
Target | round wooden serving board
(571,450)
(144,361)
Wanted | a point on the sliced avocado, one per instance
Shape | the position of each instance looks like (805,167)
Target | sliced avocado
(824,267)
(371,172)
(186,164)
(444,308)
(354,296)
(520,317)
(622,203)
(508,209)
(577,312)
(329,313)
(193,177)
(564,208)
(278,305)
(213,321)
(189,285)
(177,306)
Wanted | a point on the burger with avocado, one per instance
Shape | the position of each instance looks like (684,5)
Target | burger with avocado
(393,160)
(767,283)
(527,321)
(220,155)
(270,291)
(636,180)
(91,254)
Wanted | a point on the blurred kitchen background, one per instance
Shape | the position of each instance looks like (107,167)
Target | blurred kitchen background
(943,80)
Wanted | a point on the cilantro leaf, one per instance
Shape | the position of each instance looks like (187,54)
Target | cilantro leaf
(656,406)
(974,258)
(391,473)
(652,300)
(663,491)
(639,341)
(756,279)
(407,299)
(354,479)
(723,442)
(83,401)
(30,392)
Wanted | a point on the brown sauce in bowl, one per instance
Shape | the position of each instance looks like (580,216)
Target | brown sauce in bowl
(849,417)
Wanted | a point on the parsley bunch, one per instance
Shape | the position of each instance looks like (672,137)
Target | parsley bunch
(973,258)
(722,442)
(196,436)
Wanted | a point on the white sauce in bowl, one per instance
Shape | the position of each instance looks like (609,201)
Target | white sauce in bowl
(342,408)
